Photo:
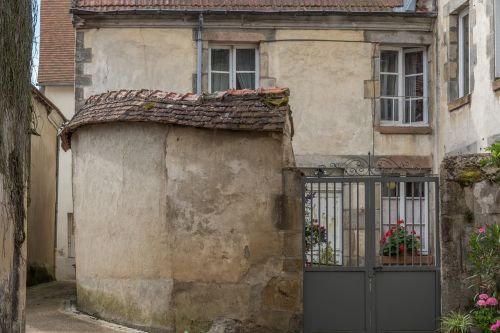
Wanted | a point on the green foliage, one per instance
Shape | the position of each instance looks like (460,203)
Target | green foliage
(494,158)
(484,256)
(327,255)
(484,317)
(456,322)
(399,240)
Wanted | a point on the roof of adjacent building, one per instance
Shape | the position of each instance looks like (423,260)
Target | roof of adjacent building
(239,110)
(57,43)
(239,5)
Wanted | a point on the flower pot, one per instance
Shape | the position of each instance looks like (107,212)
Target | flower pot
(426,260)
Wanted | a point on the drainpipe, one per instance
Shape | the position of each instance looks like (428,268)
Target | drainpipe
(199,55)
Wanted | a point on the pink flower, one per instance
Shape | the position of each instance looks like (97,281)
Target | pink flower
(495,326)
(492,301)
(481,302)
(413,232)
(481,230)
(484,296)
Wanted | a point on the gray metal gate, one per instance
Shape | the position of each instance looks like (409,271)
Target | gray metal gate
(371,253)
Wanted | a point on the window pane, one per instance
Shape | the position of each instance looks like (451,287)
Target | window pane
(245,59)
(414,63)
(388,85)
(465,25)
(245,80)
(414,111)
(389,61)
(414,86)
(220,60)
(389,109)
(220,82)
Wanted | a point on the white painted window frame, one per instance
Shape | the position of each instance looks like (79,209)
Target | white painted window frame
(402,200)
(497,37)
(401,98)
(232,64)
(461,52)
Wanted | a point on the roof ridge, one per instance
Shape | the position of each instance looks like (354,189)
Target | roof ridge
(149,94)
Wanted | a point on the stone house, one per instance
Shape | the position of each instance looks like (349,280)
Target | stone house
(407,81)
(468,34)
(42,189)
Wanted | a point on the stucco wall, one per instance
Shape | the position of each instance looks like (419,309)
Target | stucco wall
(475,125)
(177,226)
(326,69)
(139,58)
(42,191)
(64,98)
(326,72)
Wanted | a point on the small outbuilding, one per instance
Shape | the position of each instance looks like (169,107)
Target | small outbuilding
(181,211)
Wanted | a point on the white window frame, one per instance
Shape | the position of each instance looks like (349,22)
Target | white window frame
(401,199)
(401,98)
(232,64)
(461,65)
(497,37)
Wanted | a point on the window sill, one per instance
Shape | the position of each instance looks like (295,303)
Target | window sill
(496,84)
(458,103)
(418,130)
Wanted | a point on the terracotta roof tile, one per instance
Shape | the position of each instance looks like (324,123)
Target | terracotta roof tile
(239,5)
(57,43)
(239,110)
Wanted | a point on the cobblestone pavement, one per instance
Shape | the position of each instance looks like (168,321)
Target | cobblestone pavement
(48,311)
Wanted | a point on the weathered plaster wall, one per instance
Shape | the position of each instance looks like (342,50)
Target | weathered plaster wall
(42,190)
(465,206)
(329,71)
(169,217)
(135,58)
(64,98)
(472,126)
(326,72)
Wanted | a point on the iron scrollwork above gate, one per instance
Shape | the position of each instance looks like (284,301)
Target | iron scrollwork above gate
(371,166)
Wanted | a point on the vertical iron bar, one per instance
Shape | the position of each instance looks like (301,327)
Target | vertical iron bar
(357,224)
(389,218)
(327,222)
(398,194)
(334,223)
(319,223)
(304,252)
(436,223)
(350,226)
(311,226)
(421,195)
(382,184)
(412,222)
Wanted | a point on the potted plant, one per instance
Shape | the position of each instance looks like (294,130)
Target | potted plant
(456,322)
(399,247)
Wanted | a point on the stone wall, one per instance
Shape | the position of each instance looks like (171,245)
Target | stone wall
(169,238)
(470,198)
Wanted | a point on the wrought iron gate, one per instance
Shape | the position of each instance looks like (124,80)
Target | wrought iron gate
(371,253)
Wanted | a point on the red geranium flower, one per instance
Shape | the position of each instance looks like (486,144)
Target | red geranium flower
(401,248)
(388,233)
(413,232)
(400,221)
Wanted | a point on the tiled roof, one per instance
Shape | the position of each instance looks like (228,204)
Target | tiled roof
(57,43)
(239,5)
(243,110)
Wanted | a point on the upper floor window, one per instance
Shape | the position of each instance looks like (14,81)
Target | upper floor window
(233,67)
(463,54)
(403,86)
